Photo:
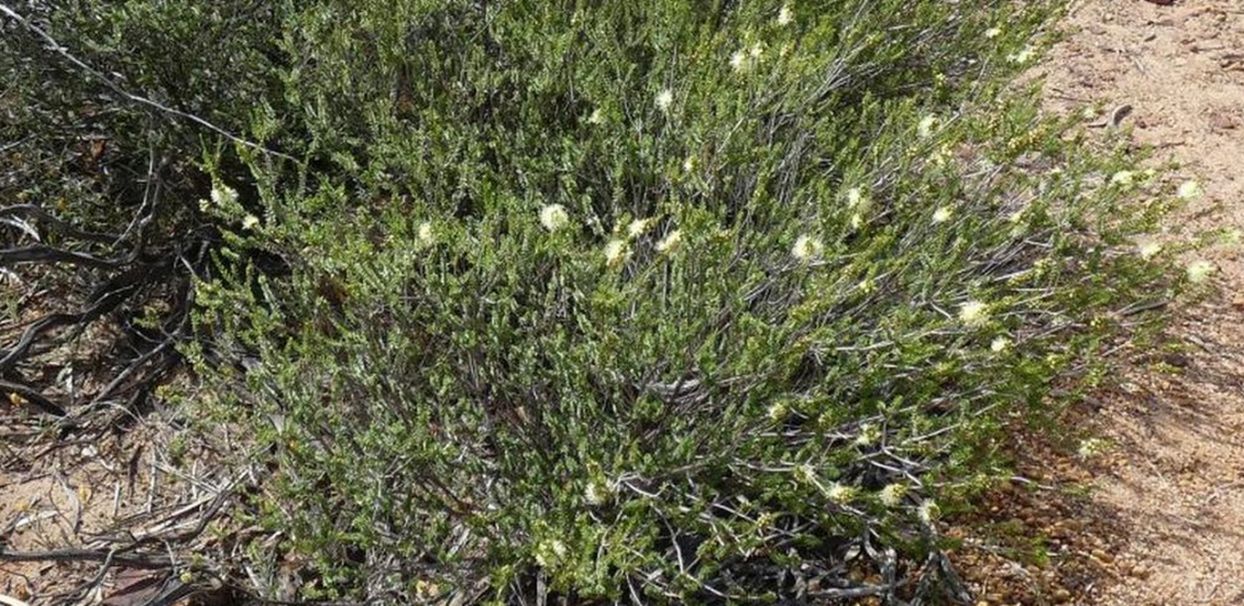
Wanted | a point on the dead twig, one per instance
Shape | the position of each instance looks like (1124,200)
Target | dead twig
(151,561)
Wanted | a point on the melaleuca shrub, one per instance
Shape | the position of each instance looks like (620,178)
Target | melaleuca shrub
(650,301)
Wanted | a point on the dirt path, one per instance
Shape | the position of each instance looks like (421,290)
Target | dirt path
(1175,478)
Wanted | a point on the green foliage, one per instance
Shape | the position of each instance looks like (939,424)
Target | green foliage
(667,301)
(76,148)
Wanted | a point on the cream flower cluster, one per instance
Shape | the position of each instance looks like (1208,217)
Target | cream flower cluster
(974,313)
(807,248)
(554,217)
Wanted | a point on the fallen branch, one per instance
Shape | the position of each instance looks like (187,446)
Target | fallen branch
(33,396)
(150,561)
(46,254)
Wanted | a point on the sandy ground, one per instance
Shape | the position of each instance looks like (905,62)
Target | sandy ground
(1175,479)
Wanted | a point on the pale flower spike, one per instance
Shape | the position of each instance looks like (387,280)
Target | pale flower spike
(554,217)
(840,493)
(806,248)
(738,61)
(974,313)
(1190,190)
(637,227)
(1123,178)
(892,495)
(1199,271)
(854,197)
(670,242)
(1021,57)
(223,195)
(928,512)
(784,15)
(1148,247)
(664,100)
(616,252)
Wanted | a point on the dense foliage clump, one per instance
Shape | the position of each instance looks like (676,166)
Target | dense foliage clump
(670,301)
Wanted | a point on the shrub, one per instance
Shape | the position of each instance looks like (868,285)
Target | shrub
(101,221)
(644,301)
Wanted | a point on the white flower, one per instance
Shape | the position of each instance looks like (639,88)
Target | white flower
(637,227)
(554,217)
(869,434)
(867,286)
(777,412)
(784,15)
(1091,447)
(806,247)
(892,495)
(941,215)
(806,473)
(925,128)
(738,61)
(664,100)
(425,234)
(597,493)
(1123,178)
(688,164)
(1190,190)
(1021,57)
(597,117)
(857,221)
(1015,216)
(856,198)
(840,493)
(223,195)
(928,512)
(549,552)
(250,222)
(974,313)
(999,345)
(993,32)
(756,51)
(1148,247)
(1198,271)
(592,494)
(670,242)
(616,252)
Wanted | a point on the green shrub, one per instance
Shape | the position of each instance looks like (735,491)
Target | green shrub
(99,220)
(582,299)
(670,301)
